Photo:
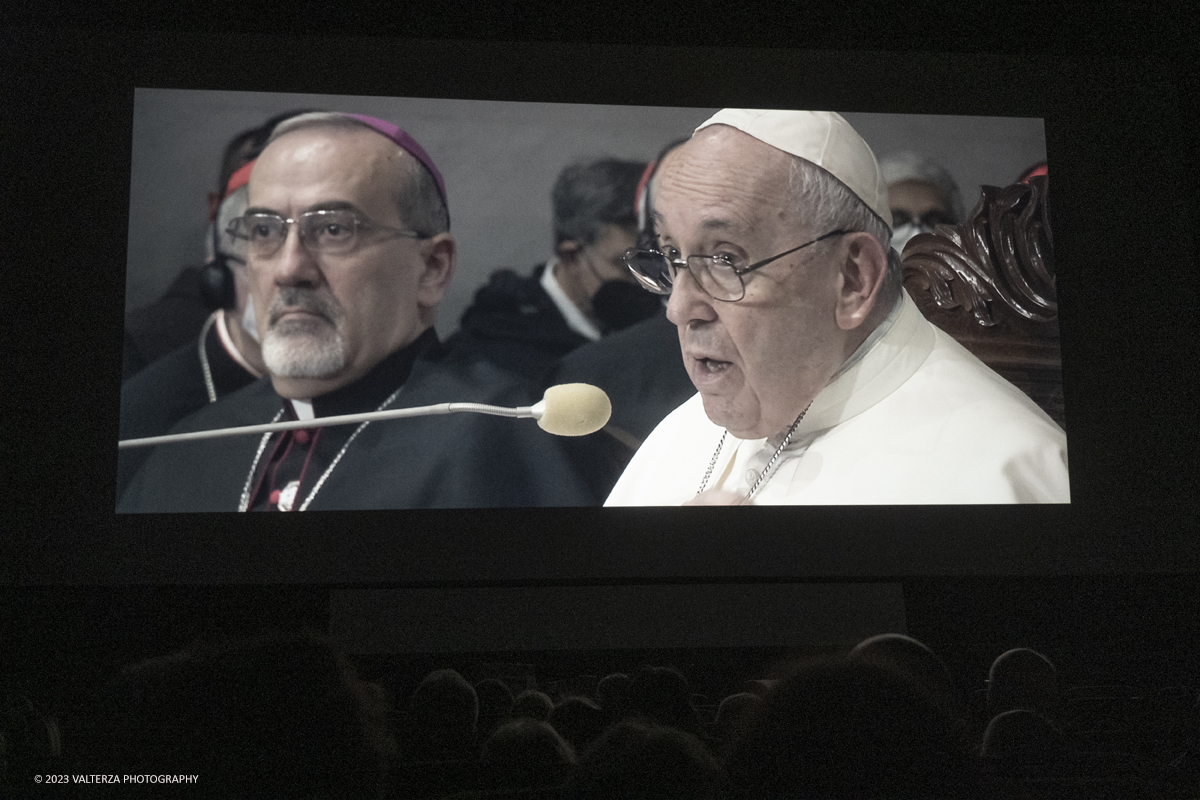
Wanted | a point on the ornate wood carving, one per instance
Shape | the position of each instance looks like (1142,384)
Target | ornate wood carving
(990,284)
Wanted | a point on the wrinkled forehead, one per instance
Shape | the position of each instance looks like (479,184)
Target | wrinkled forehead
(720,174)
(330,160)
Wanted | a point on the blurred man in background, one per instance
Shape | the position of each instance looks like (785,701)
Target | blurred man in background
(153,331)
(224,358)
(527,323)
(921,194)
(639,367)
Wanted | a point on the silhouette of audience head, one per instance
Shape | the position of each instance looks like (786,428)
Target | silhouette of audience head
(648,761)
(526,754)
(495,703)
(1023,678)
(610,694)
(1020,738)
(532,704)
(914,659)
(662,694)
(442,717)
(279,715)
(849,729)
(579,720)
(734,713)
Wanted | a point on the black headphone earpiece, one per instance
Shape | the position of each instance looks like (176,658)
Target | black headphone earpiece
(216,279)
(216,284)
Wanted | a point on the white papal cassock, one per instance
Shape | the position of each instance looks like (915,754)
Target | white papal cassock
(912,418)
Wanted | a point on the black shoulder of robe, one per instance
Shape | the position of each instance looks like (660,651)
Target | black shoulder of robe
(459,460)
(513,323)
(153,331)
(640,368)
(168,390)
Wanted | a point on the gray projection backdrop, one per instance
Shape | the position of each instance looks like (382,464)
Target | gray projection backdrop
(499,160)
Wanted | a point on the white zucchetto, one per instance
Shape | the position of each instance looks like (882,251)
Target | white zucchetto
(823,137)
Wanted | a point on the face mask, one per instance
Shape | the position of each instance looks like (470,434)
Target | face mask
(905,232)
(249,321)
(619,304)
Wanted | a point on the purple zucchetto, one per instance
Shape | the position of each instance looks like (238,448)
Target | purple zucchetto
(409,145)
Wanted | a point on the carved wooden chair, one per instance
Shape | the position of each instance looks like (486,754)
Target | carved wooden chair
(989,283)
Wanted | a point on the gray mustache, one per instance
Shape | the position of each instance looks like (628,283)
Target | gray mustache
(310,300)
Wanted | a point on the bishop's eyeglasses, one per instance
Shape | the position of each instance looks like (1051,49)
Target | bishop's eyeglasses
(720,276)
(334,231)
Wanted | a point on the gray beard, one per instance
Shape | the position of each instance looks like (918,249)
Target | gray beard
(295,350)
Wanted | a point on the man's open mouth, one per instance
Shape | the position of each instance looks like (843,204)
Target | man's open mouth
(712,365)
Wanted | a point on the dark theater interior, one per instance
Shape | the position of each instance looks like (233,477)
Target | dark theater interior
(827,651)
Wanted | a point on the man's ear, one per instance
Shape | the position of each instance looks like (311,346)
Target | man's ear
(568,251)
(438,254)
(861,279)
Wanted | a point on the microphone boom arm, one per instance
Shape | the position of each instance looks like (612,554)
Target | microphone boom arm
(523,412)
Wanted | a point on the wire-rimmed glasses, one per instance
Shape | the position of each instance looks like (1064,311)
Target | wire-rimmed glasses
(720,276)
(333,231)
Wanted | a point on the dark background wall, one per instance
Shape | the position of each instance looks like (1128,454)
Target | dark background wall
(499,160)
(1117,91)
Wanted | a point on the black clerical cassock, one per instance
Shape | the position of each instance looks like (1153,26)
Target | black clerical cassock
(176,385)
(451,461)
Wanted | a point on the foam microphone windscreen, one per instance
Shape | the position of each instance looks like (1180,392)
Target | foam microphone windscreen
(574,409)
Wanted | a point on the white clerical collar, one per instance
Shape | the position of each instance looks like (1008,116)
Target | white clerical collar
(877,334)
(884,361)
(576,321)
(303,409)
(888,357)
(230,347)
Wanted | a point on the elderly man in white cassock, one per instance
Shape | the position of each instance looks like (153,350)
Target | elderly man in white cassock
(819,381)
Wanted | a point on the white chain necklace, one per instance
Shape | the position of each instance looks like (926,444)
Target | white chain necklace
(209,385)
(762,476)
(244,505)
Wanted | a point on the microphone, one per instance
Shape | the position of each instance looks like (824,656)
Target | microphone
(569,409)
(572,409)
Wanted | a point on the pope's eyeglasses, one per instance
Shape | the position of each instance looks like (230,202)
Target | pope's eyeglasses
(720,276)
